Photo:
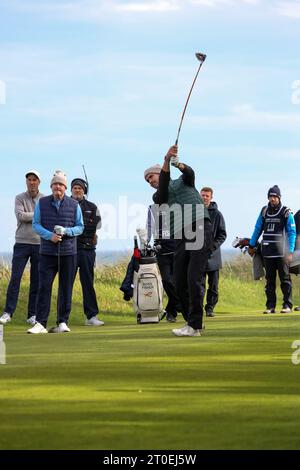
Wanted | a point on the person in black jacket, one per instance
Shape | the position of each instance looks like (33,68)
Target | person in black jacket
(86,250)
(214,263)
(165,256)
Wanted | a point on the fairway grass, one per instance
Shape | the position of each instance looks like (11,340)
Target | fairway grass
(128,386)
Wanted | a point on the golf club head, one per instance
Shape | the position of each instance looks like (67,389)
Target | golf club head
(201,57)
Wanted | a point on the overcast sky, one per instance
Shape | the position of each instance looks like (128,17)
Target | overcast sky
(103,83)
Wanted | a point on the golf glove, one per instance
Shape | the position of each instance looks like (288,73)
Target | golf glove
(59,230)
(175,161)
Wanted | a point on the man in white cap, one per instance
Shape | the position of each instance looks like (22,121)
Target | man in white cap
(58,221)
(26,248)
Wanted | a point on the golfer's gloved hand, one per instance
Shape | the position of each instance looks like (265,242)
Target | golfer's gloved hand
(175,161)
(59,230)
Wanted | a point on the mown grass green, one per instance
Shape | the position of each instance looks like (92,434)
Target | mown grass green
(128,386)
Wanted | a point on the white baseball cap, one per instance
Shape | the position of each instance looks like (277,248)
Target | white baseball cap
(33,172)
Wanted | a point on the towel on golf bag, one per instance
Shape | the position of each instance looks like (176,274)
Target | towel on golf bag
(127,284)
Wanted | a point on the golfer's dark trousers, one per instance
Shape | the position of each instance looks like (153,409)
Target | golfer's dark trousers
(189,268)
(48,268)
(86,263)
(272,265)
(212,291)
(21,254)
(166,268)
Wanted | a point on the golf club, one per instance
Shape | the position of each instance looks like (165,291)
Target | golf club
(86,179)
(58,231)
(201,57)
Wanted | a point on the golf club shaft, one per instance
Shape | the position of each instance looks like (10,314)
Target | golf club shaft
(58,289)
(179,129)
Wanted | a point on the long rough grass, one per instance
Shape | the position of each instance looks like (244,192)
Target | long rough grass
(129,386)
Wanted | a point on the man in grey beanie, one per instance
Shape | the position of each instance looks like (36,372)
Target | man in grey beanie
(26,248)
(165,256)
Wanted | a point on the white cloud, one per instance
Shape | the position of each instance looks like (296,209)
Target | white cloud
(289,9)
(98,10)
(144,7)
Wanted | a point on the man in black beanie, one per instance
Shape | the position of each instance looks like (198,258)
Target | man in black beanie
(276,223)
(86,250)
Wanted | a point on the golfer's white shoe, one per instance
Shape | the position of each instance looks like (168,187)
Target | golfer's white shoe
(31,320)
(5,318)
(285,310)
(186,330)
(37,329)
(61,328)
(94,321)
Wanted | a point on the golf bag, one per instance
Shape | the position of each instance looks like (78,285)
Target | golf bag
(148,291)
(143,283)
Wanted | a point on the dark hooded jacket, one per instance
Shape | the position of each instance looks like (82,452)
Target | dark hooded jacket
(219,236)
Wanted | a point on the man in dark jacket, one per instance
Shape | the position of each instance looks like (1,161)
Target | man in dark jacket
(214,263)
(165,256)
(86,250)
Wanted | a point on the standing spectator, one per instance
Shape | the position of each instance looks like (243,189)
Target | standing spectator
(276,222)
(58,253)
(86,250)
(165,256)
(26,248)
(191,254)
(214,263)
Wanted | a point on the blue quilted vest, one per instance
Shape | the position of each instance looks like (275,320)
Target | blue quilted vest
(64,216)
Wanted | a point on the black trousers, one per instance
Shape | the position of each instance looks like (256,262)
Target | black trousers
(48,268)
(272,266)
(22,253)
(166,267)
(189,268)
(85,264)
(212,296)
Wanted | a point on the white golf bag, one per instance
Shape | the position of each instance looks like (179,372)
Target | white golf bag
(148,291)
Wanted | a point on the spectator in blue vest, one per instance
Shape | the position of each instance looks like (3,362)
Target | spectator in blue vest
(58,221)
(277,225)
